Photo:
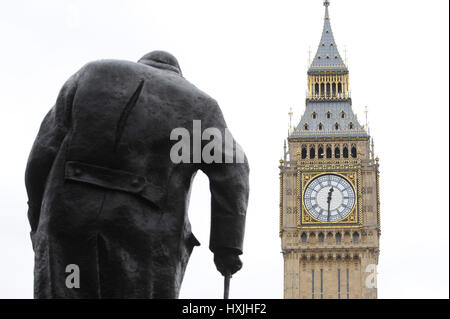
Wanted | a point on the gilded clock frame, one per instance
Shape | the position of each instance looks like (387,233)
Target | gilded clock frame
(352,174)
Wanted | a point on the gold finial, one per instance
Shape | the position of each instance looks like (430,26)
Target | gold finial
(367,121)
(281,161)
(377,159)
(345,56)
(309,56)
(290,113)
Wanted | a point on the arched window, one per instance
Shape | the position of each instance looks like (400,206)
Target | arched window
(342,115)
(328,151)
(347,237)
(322,89)
(350,126)
(312,152)
(328,115)
(345,152)
(333,87)
(336,126)
(338,237)
(320,126)
(339,89)
(304,152)
(304,238)
(320,153)
(328,87)
(337,152)
(306,126)
(321,238)
(316,89)
(354,151)
(355,237)
(314,115)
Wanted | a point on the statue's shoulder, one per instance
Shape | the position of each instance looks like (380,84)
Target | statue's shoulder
(109,72)
(110,67)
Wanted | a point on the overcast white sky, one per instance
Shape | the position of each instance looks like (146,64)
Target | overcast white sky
(251,56)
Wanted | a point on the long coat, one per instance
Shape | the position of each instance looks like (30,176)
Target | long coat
(104,194)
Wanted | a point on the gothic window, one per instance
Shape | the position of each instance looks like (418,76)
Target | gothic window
(320,126)
(312,152)
(345,152)
(303,237)
(316,89)
(337,152)
(328,115)
(350,126)
(339,89)
(321,283)
(338,237)
(355,237)
(321,237)
(354,151)
(314,115)
(331,44)
(348,284)
(323,44)
(322,89)
(304,151)
(336,126)
(320,153)
(306,126)
(342,115)
(339,284)
(333,87)
(328,86)
(328,151)
(347,237)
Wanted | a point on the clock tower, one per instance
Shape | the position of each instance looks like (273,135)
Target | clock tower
(329,189)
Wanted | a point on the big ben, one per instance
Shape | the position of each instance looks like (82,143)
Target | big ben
(329,189)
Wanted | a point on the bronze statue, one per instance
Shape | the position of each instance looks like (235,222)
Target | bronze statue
(105,198)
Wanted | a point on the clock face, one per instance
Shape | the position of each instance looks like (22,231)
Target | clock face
(329,198)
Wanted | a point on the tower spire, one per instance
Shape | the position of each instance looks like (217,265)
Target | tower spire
(327,57)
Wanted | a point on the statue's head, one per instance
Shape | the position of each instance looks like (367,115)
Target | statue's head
(162,60)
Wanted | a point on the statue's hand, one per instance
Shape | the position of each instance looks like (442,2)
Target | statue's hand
(227,261)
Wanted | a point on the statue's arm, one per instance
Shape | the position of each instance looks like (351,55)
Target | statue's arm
(229,186)
(52,131)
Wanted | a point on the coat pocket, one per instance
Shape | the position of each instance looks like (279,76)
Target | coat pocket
(115,180)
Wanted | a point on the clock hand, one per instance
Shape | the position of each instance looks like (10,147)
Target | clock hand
(328,218)
(330,194)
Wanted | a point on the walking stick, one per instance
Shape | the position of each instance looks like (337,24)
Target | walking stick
(226,290)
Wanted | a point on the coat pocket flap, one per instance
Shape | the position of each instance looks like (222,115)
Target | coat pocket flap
(113,179)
